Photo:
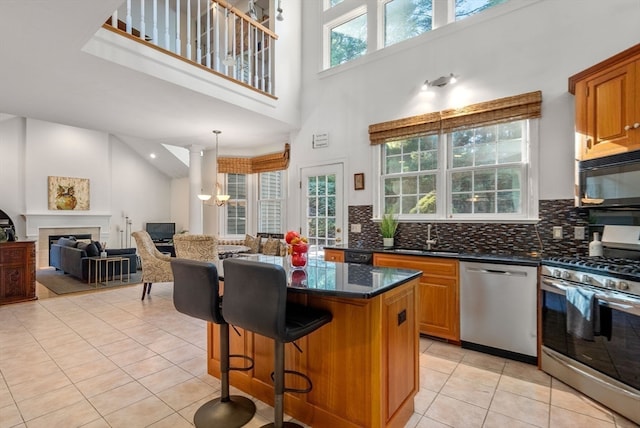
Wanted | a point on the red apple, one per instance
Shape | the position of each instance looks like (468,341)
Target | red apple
(300,247)
(298,259)
(290,235)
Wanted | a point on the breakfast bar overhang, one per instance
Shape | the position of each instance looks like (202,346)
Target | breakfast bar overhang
(363,364)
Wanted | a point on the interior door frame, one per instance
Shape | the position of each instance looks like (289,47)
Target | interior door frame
(300,215)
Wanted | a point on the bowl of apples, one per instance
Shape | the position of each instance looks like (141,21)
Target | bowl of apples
(298,247)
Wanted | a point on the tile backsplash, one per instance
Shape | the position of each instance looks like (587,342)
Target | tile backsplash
(491,238)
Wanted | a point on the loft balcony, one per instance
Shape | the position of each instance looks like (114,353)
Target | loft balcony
(210,34)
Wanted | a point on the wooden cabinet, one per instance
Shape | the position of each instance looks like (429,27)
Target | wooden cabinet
(334,255)
(439,306)
(607,104)
(363,364)
(17,271)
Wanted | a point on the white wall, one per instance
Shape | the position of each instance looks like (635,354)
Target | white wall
(121,182)
(536,45)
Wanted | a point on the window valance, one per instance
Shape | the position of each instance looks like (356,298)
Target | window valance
(264,163)
(523,106)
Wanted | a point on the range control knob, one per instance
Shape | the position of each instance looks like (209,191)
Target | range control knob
(610,283)
(557,273)
(623,285)
(586,279)
(566,274)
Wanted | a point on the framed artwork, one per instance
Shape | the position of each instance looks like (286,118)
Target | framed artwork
(358,181)
(68,193)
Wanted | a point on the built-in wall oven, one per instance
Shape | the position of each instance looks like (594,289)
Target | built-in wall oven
(591,321)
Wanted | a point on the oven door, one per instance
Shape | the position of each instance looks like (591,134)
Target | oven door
(615,355)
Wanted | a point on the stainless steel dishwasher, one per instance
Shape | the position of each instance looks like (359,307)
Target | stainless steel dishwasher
(498,309)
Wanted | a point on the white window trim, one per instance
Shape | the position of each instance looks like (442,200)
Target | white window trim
(326,34)
(531,187)
(251,208)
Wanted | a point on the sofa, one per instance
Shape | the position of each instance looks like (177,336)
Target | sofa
(271,244)
(72,256)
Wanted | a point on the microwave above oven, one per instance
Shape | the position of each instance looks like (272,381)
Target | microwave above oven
(611,181)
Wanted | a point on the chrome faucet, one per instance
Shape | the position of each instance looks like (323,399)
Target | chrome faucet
(430,241)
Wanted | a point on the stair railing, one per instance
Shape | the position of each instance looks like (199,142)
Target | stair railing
(211,33)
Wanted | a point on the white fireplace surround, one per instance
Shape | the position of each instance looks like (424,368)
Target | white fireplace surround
(70,219)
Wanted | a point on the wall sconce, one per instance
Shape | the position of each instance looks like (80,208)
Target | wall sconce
(440,82)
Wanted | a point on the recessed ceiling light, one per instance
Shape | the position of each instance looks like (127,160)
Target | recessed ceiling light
(152,155)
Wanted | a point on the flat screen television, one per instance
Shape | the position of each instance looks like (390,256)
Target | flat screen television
(161,232)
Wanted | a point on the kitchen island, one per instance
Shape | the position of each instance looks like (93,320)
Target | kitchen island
(363,364)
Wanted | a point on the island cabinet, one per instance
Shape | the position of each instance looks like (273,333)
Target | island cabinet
(331,255)
(439,306)
(607,106)
(363,364)
(17,271)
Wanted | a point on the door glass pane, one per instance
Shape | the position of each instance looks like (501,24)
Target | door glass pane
(321,210)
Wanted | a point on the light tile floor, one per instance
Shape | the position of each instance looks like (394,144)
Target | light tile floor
(107,359)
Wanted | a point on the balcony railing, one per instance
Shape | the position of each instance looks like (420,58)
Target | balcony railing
(210,33)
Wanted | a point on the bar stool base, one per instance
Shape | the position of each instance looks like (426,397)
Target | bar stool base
(229,414)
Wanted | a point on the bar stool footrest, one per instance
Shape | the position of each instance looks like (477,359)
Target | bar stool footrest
(244,357)
(297,390)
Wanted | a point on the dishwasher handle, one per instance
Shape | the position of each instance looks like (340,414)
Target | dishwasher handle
(496,271)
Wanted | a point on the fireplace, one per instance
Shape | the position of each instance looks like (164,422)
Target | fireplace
(83,225)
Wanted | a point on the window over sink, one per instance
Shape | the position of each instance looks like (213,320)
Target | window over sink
(477,163)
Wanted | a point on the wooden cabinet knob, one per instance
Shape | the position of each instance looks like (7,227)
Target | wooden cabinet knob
(636,125)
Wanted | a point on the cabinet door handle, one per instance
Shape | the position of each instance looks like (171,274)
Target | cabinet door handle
(589,143)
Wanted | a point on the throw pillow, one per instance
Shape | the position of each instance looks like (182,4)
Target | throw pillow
(271,247)
(89,249)
(253,243)
(284,249)
(67,242)
(98,245)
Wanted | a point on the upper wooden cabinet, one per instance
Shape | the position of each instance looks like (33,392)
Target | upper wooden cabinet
(608,106)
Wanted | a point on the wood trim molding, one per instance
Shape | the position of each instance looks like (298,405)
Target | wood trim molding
(619,58)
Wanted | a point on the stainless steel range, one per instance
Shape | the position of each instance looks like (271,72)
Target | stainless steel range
(591,321)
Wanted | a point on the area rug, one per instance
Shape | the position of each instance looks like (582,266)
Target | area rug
(61,283)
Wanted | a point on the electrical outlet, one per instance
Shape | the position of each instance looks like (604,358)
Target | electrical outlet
(557,232)
(578,232)
(356,228)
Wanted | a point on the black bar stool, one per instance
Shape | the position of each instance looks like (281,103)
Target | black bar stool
(255,298)
(196,293)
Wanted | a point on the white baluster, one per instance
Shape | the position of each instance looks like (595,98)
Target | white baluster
(155,22)
(208,33)
(178,41)
(216,36)
(198,44)
(263,53)
(270,79)
(114,19)
(225,41)
(189,29)
(167,39)
(128,19)
(142,25)
(256,79)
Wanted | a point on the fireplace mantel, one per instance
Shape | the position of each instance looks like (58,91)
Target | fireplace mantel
(64,219)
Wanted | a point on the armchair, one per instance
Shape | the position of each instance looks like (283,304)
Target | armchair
(196,247)
(156,267)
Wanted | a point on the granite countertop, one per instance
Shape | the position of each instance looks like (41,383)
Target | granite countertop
(525,259)
(337,279)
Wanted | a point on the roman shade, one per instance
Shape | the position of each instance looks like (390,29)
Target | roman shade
(517,107)
(263,163)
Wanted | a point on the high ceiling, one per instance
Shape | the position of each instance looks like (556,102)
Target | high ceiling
(46,75)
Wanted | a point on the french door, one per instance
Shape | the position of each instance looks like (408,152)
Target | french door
(322,205)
